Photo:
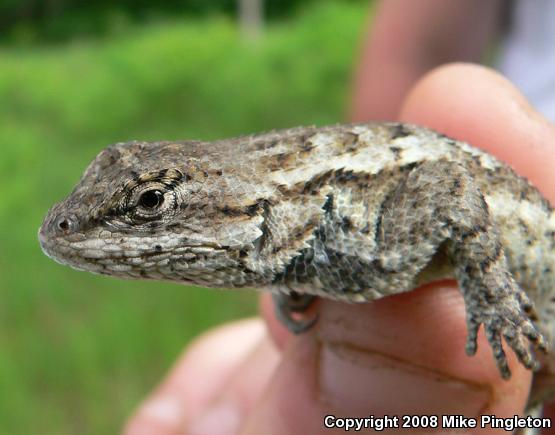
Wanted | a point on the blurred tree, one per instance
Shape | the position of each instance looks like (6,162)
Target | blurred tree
(251,17)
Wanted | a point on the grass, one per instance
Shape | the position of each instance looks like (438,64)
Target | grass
(79,351)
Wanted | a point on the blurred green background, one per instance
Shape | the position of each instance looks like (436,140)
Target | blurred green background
(79,351)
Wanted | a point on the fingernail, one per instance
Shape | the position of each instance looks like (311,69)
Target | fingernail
(360,380)
(224,418)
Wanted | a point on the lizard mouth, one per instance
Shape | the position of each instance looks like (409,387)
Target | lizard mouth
(126,257)
(58,248)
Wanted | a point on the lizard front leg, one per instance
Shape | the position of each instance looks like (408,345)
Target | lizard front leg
(435,207)
(439,204)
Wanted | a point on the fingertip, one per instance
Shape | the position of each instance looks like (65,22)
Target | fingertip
(467,92)
(475,104)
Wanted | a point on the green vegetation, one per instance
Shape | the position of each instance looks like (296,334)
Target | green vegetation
(79,351)
(39,21)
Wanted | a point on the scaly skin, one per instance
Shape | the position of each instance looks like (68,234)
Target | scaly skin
(348,212)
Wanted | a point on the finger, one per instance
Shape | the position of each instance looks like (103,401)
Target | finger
(477,105)
(401,355)
(196,379)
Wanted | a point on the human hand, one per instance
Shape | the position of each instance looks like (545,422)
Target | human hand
(401,355)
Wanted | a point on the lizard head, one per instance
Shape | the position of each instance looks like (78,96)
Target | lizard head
(161,210)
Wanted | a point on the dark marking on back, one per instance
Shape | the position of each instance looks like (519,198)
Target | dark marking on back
(346,224)
(349,141)
(252,210)
(313,185)
(306,144)
(265,227)
(328,205)
(261,145)
(339,176)
(281,161)
(396,152)
(232,211)
(400,130)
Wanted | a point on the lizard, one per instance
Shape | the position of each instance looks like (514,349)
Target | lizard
(351,212)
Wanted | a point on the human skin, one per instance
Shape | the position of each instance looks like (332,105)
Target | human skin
(408,39)
(399,355)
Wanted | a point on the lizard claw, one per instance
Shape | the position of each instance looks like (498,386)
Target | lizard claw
(514,326)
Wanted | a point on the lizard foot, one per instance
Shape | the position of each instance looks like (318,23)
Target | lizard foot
(287,304)
(506,318)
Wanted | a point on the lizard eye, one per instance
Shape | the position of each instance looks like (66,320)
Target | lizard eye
(151,203)
(151,199)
